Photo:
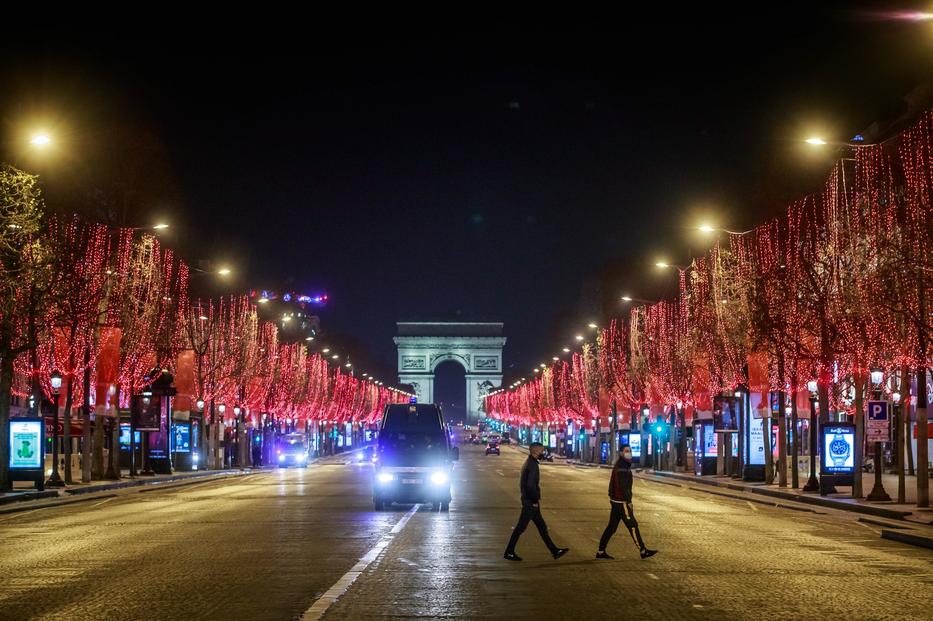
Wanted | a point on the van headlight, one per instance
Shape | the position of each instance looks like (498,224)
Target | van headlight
(281,458)
(384,477)
(438,478)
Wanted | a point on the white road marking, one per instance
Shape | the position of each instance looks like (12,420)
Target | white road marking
(500,473)
(318,608)
(653,577)
(698,605)
(97,504)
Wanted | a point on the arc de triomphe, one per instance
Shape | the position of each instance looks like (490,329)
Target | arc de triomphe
(476,346)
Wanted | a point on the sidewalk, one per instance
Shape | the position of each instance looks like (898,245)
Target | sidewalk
(842,501)
(23,500)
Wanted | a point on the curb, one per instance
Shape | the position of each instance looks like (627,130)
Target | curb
(914,540)
(148,482)
(802,498)
(24,496)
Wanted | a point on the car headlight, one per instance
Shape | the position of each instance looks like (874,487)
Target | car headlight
(302,457)
(281,458)
(438,478)
(384,477)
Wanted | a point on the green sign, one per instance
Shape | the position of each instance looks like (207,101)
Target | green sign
(26,444)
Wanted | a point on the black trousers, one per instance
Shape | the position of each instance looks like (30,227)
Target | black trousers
(530,513)
(621,512)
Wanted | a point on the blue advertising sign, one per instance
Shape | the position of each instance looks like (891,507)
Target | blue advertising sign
(26,444)
(125,436)
(839,448)
(634,441)
(181,438)
(710,447)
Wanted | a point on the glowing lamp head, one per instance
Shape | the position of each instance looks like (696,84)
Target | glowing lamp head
(200,404)
(815,141)
(662,264)
(812,386)
(160,226)
(56,380)
(896,397)
(40,141)
(236,410)
(626,298)
(706,228)
(222,408)
(224,271)
(877,376)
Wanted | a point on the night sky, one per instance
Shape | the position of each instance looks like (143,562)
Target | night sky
(508,171)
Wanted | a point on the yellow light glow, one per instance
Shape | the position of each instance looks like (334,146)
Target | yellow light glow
(579,337)
(40,140)
(706,228)
(662,264)
(263,300)
(223,271)
(815,140)
(566,350)
(326,350)
(593,326)
(159,226)
(626,298)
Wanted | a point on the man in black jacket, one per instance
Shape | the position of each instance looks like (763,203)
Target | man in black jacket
(531,509)
(620,501)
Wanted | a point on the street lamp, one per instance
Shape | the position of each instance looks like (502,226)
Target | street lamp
(55,479)
(877,490)
(815,141)
(40,140)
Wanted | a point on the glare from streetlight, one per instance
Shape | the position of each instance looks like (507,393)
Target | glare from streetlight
(815,140)
(40,141)
(566,350)
(263,300)
(159,226)
(706,228)
(626,298)
(224,271)
(593,326)
(579,337)
(662,264)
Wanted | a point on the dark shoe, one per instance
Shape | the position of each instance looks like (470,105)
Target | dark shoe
(560,552)
(511,556)
(646,553)
(604,555)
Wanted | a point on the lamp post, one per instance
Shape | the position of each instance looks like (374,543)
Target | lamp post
(877,493)
(899,439)
(813,484)
(55,479)
(240,430)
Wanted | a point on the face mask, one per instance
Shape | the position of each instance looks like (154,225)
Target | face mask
(627,455)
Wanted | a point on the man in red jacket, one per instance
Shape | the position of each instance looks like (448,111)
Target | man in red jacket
(620,500)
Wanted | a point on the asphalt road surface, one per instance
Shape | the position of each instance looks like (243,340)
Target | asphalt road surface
(292,544)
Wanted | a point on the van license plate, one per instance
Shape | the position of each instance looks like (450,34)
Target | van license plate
(413,481)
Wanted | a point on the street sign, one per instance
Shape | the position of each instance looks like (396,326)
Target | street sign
(877,428)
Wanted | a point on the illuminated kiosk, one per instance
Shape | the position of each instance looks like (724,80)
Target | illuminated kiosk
(476,346)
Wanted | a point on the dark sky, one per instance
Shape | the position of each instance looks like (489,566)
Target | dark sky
(529,173)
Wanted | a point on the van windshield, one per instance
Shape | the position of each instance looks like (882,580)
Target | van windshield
(412,435)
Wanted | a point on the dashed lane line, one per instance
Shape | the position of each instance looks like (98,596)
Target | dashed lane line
(318,608)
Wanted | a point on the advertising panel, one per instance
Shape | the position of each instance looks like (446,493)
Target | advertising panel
(26,444)
(756,441)
(634,441)
(710,447)
(839,448)
(181,438)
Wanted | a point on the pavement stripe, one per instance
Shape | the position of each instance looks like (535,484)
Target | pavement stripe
(318,608)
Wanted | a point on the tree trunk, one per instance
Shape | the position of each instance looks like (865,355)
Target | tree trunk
(6,385)
(923,457)
(795,441)
(86,413)
(857,491)
(97,470)
(113,455)
(905,399)
(69,396)
(782,438)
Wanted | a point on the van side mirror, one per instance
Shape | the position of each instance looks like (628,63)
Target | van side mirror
(455,453)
